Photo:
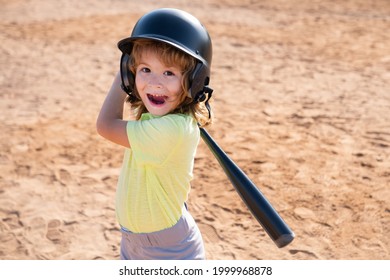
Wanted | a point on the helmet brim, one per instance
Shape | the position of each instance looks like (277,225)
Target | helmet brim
(126,45)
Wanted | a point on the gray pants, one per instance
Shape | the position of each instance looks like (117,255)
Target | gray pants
(183,241)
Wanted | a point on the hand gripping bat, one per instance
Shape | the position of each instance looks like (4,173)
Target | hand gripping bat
(256,202)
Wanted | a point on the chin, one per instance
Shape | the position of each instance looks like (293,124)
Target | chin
(158,111)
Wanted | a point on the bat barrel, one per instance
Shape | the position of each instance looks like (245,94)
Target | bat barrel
(256,202)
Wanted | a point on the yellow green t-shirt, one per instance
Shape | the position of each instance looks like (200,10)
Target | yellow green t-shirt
(155,177)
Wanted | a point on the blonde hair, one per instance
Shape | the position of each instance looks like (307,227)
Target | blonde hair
(169,56)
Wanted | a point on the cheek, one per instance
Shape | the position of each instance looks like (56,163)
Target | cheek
(176,90)
(176,87)
(139,81)
(140,84)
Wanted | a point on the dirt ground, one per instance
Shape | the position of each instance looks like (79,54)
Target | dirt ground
(301,99)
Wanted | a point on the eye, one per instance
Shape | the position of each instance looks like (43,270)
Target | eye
(145,70)
(169,73)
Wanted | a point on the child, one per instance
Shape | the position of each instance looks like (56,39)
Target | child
(164,72)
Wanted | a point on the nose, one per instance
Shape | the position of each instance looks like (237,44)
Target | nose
(154,80)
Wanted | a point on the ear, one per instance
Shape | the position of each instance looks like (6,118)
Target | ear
(199,78)
(126,75)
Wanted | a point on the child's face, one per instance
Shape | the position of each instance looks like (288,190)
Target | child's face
(158,85)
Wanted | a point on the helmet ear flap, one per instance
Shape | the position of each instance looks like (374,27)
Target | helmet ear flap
(199,78)
(127,76)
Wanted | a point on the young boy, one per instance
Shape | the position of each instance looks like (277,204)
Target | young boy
(164,75)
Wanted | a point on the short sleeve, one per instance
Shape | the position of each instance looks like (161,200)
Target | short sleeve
(153,140)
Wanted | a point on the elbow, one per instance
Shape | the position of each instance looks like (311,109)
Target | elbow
(101,127)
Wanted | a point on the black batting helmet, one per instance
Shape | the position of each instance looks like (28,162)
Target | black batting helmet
(178,29)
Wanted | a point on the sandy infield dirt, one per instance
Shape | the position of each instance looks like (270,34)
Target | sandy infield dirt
(302,105)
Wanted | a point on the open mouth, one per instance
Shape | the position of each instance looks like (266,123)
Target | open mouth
(157,99)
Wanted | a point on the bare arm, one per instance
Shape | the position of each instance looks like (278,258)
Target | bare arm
(110,123)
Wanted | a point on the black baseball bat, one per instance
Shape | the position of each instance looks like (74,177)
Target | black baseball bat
(256,202)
